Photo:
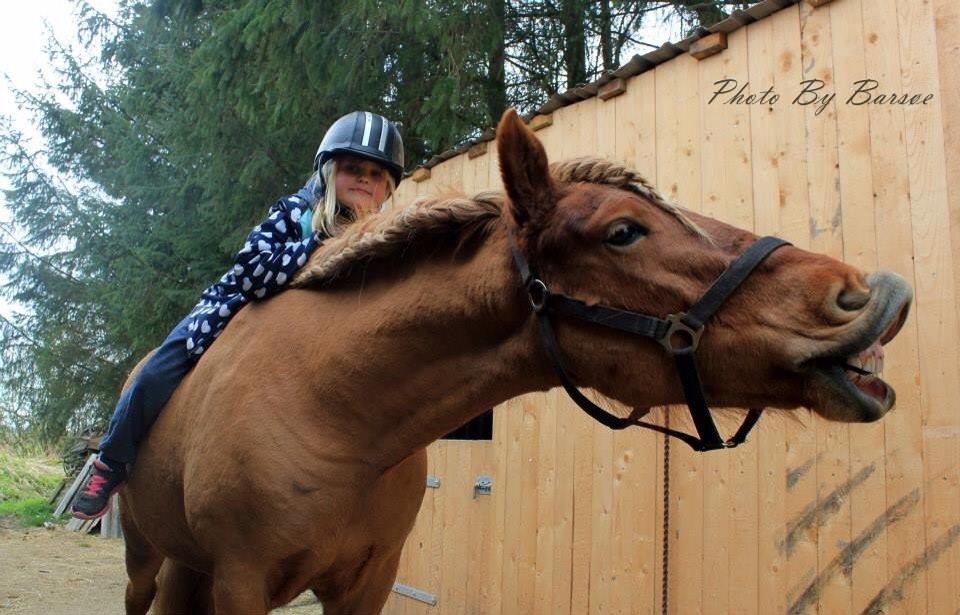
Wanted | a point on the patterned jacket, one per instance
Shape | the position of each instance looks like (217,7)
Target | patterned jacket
(271,254)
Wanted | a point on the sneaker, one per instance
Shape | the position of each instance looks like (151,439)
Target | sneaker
(103,482)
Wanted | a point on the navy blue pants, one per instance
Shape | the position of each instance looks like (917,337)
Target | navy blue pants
(141,402)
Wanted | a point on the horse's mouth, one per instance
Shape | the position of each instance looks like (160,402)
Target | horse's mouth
(847,384)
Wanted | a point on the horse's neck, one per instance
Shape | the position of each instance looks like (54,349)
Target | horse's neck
(418,354)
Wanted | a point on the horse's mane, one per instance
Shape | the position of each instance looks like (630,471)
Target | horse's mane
(386,234)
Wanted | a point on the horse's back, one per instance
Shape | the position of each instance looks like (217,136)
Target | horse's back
(236,447)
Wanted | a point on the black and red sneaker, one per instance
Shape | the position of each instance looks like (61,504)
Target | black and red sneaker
(103,482)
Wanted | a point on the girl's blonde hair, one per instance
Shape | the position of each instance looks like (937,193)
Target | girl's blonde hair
(325,215)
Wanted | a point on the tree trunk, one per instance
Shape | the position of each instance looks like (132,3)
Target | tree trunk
(575,47)
(496,85)
(606,44)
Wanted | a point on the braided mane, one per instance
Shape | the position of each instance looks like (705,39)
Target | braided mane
(390,232)
(601,171)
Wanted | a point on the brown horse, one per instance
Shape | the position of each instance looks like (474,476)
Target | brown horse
(292,456)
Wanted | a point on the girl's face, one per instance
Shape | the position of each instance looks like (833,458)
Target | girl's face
(361,184)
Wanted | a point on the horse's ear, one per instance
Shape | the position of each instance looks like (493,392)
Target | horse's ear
(523,167)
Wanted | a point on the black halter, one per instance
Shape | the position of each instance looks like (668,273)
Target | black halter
(679,334)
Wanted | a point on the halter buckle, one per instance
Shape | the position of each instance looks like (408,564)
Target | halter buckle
(687,334)
(538,293)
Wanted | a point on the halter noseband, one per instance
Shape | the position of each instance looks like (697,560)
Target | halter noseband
(684,327)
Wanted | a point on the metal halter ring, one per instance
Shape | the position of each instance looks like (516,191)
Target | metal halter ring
(678,326)
(538,292)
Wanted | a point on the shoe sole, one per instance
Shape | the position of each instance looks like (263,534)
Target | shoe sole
(103,511)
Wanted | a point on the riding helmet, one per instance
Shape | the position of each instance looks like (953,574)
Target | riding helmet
(367,135)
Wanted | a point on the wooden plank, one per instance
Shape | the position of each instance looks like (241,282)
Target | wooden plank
(420,174)
(541,121)
(498,522)
(481,509)
(601,545)
(110,526)
(527,473)
(441,508)
(612,88)
(947,20)
(499,456)
(582,531)
(601,509)
(730,489)
(637,126)
(457,496)
(947,30)
(780,208)
(566,431)
(68,496)
(478,149)
(479,539)
(891,204)
(512,507)
(55,497)
(635,494)
(867,571)
(833,459)
(582,143)
(935,302)
(709,45)
(546,484)
(678,178)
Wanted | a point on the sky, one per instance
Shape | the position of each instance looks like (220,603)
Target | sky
(25,31)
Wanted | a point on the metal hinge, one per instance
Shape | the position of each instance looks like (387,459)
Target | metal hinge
(482,485)
(416,594)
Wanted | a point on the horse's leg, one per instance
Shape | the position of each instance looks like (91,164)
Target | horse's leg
(239,588)
(182,590)
(143,562)
(371,590)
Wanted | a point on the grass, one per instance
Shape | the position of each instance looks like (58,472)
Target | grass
(27,480)
(28,513)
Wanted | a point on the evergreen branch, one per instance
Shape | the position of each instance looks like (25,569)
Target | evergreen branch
(26,250)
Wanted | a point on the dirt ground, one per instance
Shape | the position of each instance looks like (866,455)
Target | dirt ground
(56,572)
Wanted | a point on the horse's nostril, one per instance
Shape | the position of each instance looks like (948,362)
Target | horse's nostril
(852,300)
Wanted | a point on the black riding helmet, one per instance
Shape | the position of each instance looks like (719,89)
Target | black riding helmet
(366,135)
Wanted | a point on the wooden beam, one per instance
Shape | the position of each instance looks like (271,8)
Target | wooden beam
(709,45)
(614,87)
(67,498)
(420,174)
(478,149)
(541,121)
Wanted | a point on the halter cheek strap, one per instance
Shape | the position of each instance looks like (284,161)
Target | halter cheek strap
(679,334)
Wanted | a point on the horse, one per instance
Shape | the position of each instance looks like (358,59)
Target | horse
(292,457)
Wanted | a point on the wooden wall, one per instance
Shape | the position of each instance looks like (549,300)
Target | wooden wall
(808,516)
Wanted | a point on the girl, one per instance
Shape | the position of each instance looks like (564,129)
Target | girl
(358,165)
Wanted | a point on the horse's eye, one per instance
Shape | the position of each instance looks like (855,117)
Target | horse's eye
(624,232)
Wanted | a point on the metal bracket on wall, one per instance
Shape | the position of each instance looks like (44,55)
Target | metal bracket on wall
(416,594)
(482,485)
(433,481)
